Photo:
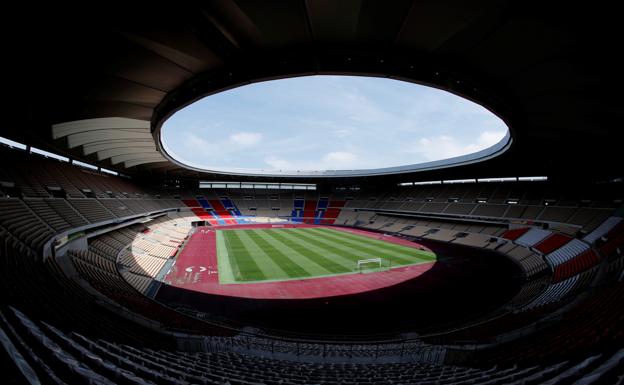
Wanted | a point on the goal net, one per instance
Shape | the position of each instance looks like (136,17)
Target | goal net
(373,264)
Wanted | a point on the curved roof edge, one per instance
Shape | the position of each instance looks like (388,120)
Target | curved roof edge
(474,157)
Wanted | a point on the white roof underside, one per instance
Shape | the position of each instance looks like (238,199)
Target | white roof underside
(125,142)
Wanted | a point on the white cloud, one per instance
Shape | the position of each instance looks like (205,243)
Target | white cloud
(340,160)
(335,160)
(360,108)
(444,146)
(277,163)
(313,123)
(194,141)
(246,139)
(490,138)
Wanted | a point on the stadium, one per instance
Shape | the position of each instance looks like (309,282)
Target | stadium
(125,259)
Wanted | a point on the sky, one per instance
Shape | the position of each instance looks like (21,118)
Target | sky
(328,123)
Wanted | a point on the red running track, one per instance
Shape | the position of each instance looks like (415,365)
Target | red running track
(196,269)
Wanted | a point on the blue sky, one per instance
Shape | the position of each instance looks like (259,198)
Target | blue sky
(328,123)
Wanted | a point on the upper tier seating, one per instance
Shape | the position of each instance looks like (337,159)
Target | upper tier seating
(603,229)
(533,236)
(566,252)
(552,243)
(21,222)
(515,233)
(576,265)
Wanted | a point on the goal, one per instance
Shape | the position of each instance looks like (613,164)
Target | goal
(372,264)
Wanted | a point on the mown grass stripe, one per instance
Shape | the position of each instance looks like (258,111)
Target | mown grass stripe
(364,239)
(290,268)
(372,241)
(391,247)
(263,258)
(402,255)
(354,254)
(347,253)
(308,250)
(226,266)
(248,270)
(312,267)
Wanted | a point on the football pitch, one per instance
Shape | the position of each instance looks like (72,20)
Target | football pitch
(278,254)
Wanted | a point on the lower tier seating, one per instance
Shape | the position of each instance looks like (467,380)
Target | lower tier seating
(56,356)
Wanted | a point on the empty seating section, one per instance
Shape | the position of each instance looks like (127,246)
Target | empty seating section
(213,219)
(51,295)
(297,210)
(199,211)
(20,221)
(143,249)
(554,292)
(121,266)
(68,357)
(443,235)
(91,209)
(590,218)
(334,209)
(552,243)
(556,214)
(67,212)
(120,208)
(48,214)
(104,277)
(576,265)
(566,252)
(474,240)
(37,176)
(558,291)
(489,210)
(459,208)
(594,324)
(222,212)
(231,206)
(533,236)
(321,208)
(531,262)
(309,211)
(603,229)
(614,240)
(203,215)
(433,207)
(514,234)
(528,292)
(191,202)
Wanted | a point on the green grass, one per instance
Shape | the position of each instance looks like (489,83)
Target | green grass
(257,255)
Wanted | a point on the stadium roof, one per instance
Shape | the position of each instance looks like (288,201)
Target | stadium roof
(550,71)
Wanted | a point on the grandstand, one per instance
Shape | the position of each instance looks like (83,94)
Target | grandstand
(121,264)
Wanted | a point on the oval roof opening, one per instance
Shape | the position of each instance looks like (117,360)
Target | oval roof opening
(331,126)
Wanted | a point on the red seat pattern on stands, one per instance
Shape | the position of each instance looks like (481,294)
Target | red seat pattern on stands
(575,266)
(222,212)
(332,212)
(202,214)
(514,234)
(552,243)
(191,202)
(309,211)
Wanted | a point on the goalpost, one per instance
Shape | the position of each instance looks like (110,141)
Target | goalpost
(373,264)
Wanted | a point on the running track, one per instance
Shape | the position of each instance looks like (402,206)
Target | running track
(196,269)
